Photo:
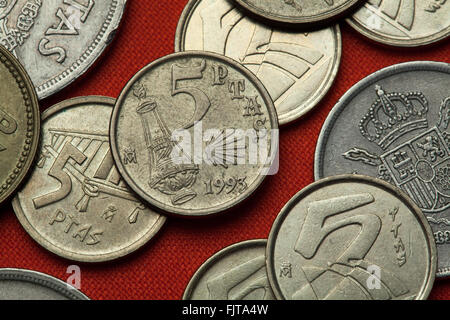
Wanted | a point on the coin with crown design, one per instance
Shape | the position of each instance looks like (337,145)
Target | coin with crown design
(237,272)
(297,12)
(395,125)
(403,23)
(203,130)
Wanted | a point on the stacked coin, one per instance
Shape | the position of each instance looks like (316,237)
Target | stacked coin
(195,133)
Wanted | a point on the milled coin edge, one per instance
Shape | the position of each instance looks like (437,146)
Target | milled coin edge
(416,42)
(299,111)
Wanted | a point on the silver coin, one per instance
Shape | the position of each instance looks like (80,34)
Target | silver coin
(20,284)
(188,130)
(75,203)
(19,124)
(297,11)
(394,125)
(237,272)
(297,68)
(351,237)
(403,23)
(57,41)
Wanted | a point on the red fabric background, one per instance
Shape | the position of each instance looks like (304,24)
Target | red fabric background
(163,267)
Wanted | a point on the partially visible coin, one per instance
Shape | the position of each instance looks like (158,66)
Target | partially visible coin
(297,11)
(297,68)
(237,272)
(194,133)
(19,124)
(403,23)
(75,204)
(57,41)
(351,237)
(20,284)
(395,125)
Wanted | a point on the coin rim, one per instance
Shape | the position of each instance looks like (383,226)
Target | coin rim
(299,111)
(34,105)
(43,280)
(40,239)
(328,15)
(116,113)
(355,91)
(93,53)
(205,266)
(384,39)
(298,197)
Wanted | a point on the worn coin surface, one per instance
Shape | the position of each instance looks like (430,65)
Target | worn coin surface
(394,125)
(297,68)
(237,272)
(297,11)
(19,124)
(403,23)
(194,133)
(75,203)
(351,237)
(58,40)
(20,284)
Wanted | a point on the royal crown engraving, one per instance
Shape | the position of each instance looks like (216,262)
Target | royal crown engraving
(166,176)
(420,165)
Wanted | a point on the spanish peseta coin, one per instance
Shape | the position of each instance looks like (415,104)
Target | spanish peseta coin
(297,68)
(297,12)
(19,124)
(403,23)
(194,133)
(237,272)
(394,125)
(21,284)
(57,41)
(351,237)
(75,203)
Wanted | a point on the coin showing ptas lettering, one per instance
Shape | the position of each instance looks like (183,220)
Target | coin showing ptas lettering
(75,204)
(20,284)
(19,124)
(58,40)
(298,11)
(403,23)
(394,125)
(194,133)
(297,68)
(351,237)
(237,272)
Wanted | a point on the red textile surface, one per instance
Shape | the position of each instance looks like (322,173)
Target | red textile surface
(163,267)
